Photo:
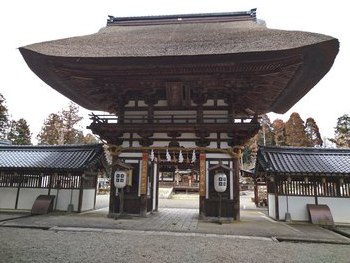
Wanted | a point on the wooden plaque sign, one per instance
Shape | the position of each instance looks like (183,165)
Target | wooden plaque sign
(202,174)
(144,169)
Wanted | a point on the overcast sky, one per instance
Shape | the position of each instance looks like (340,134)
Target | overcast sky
(26,22)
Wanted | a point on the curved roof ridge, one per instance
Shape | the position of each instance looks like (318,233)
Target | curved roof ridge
(180,18)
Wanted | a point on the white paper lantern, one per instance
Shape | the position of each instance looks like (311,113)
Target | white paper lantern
(220,182)
(120,179)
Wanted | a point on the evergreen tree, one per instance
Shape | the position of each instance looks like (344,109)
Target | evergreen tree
(4,119)
(342,132)
(20,133)
(52,131)
(70,119)
(295,131)
(265,135)
(63,128)
(313,133)
(278,126)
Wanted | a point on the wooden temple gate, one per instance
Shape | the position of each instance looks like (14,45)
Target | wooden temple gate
(145,160)
(202,88)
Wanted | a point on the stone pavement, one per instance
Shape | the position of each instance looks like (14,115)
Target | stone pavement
(253,223)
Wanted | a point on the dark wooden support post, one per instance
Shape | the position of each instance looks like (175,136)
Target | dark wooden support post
(202,184)
(143,188)
(338,186)
(316,189)
(151,101)
(96,185)
(230,112)
(200,99)
(81,189)
(157,187)
(121,114)
(256,193)
(277,212)
(235,184)
(20,179)
(50,185)
(112,198)
(150,114)
(121,102)
(200,112)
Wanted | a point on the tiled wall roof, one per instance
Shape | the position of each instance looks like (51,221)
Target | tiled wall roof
(304,160)
(72,157)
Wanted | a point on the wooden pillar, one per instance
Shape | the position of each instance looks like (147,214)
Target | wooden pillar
(50,184)
(81,190)
(256,193)
(316,189)
(151,101)
(200,113)
(157,187)
(96,186)
(143,180)
(121,102)
(277,212)
(20,180)
(202,184)
(150,113)
(235,185)
(112,191)
(338,183)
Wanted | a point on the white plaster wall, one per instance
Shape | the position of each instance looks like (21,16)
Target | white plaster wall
(215,112)
(142,103)
(131,104)
(212,145)
(188,144)
(223,135)
(218,156)
(134,144)
(27,197)
(88,199)
(62,199)
(296,205)
(221,103)
(160,135)
(175,113)
(127,154)
(185,144)
(224,145)
(272,206)
(340,208)
(8,197)
(162,103)
(208,103)
(136,114)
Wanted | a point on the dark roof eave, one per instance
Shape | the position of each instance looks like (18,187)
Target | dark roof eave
(309,74)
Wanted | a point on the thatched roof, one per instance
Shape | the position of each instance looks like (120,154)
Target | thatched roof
(179,39)
(237,55)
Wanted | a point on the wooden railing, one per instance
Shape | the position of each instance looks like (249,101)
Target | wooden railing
(173,119)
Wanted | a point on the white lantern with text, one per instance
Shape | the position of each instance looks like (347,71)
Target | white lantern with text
(120,179)
(220,182)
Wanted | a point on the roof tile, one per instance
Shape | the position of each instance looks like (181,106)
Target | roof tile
(304,160)
(73,157)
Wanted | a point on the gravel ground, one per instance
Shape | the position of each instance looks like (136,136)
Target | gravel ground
(33,245)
